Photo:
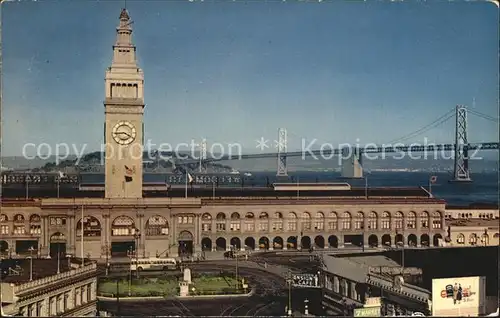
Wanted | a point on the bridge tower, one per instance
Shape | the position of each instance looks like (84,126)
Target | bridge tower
(282,171)
(351,167)
(461,167)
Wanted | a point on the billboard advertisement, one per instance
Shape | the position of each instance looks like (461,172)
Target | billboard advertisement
(462,296)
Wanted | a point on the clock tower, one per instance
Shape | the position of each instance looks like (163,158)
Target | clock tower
(124,109)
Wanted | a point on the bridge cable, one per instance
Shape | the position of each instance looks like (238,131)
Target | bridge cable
(439,121)
(484,116)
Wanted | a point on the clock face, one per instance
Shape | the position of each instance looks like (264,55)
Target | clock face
(124,133)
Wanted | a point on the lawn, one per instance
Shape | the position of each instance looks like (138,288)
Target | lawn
(169,286)
(213,285)
(144,287)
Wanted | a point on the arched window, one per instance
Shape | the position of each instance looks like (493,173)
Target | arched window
(278,221)
(92,226)
(372,220)
(485,239)
(398,220)
(359,222)
(35,224)
(234,225)
(249,222)
(346,221)
(264,222)
(220,222)
(473,239)
(121,226)
(333,221)
(385,222)
(436,220)
(292,221)
(206,222)
(319,221)
(156,225)
(306,221)
(461,239)
(424,220)
(411,222)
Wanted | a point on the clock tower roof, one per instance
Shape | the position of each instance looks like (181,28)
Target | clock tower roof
(124,15)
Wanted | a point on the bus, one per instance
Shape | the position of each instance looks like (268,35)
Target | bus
(154,264)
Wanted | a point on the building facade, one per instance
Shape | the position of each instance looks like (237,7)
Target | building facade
(473,233)
(125,220)
(71,292)
(162,226)
(348,283)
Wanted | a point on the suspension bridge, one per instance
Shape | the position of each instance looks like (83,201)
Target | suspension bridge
(352,156)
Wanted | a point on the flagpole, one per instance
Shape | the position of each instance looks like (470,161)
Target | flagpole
(81,247)
(58,182)
(186,187)
(27,190)
(298,189)
(430,186)
(213,190)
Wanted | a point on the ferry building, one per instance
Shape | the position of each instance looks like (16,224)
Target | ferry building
(125,214)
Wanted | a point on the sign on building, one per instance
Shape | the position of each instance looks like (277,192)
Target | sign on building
(463,296)
(367,312)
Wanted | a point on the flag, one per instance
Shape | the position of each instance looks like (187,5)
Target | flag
(433,179)
(190,179)
(129,171)
(62,175)
(128,174)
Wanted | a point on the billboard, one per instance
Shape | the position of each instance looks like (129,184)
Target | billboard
(463,296)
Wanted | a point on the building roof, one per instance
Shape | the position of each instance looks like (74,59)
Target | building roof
(20,268)
(400,193)
(474,222)
(357,268)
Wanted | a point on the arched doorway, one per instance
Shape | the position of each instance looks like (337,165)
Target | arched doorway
(185,243)
(264,243)
(424,240)
(373,240)
(57,245)
(4,247)
(235,242)
(278,243)
(386,240)
(305,242)
(291,242)
(220,244)
(399,240)
(122,235)
(412,240)
(436,240)
(250,243)
(319,241)
(206,244)
(333,241)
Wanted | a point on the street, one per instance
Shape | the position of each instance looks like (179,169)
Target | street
(270,298)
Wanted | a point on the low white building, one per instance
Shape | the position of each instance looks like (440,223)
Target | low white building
(48,287)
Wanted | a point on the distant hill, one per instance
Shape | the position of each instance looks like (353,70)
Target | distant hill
(269,164)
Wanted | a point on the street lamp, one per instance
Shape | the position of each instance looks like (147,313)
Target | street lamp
(31,249)
(235,254)
(289,280)
(137,236)
(107,258)
(130,272)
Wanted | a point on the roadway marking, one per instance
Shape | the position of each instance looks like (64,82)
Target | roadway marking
(261,308)
(232,311)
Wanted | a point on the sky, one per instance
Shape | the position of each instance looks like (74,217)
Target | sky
(233,72)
